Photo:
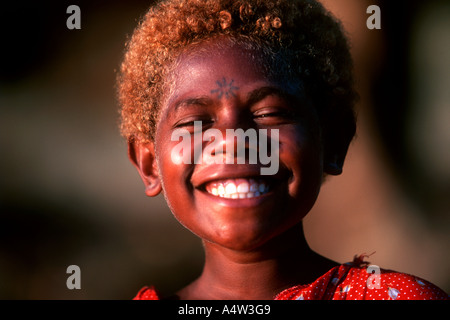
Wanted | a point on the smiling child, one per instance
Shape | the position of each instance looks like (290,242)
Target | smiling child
(280,72)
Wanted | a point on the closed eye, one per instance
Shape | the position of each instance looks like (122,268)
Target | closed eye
(192,122)
(274,116)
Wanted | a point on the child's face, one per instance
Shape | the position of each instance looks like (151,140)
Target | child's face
(227,89)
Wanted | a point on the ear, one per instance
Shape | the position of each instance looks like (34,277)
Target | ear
(334,161)
(142,156)
(334,165)
(342,130)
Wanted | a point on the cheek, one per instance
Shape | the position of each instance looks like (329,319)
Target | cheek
(302,154)
(174,173)
(299,145)
(167,164)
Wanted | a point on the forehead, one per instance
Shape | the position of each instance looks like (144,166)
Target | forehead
(211,61)
(204,66)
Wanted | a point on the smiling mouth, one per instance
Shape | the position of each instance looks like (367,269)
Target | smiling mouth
(238,188)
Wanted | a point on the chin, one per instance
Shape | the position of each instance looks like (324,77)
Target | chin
(243,238)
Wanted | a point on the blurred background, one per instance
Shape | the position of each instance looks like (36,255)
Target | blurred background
(68,194)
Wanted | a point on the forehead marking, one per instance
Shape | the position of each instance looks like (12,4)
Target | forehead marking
(225,88)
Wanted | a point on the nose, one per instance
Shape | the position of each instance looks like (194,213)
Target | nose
(233,115)
(238,138)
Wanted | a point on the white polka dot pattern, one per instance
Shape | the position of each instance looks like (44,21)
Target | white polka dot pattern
(350,282)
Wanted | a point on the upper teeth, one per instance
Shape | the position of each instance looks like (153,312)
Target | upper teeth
(237,188)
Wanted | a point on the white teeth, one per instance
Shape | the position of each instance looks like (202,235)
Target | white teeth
(230,188)
(242,187)
(237,188)
(262,187)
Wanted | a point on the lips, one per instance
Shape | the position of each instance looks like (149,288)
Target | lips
(238,188)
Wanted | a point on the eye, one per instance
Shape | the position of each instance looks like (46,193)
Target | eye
(183,124)
(274,115)
(191,122)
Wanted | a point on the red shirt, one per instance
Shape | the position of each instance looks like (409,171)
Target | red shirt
(351,281)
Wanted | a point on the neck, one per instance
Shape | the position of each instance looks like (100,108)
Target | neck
(258,274)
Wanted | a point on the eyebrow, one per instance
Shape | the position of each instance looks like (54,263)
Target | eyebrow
(196,101)
(259,94)
(252,97)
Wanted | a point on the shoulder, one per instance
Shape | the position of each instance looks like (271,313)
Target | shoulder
(409,287)
(373,283)
(358,280)
(147,293)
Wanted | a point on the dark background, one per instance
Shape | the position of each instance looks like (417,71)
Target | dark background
(68,194)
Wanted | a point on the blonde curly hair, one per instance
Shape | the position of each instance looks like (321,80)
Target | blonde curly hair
(314,45)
